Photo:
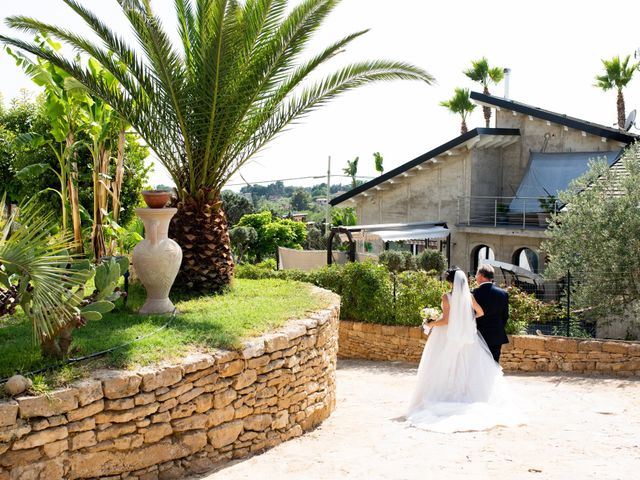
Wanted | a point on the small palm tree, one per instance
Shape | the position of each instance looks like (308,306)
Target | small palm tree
(206,105)
(461,105)
(617,75)
(352,170)
(483,74)
(378,162)
(34,273)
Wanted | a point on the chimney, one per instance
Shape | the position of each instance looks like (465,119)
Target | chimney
(507,75)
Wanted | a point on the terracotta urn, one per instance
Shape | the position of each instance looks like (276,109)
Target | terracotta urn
(156,198)
(157,259)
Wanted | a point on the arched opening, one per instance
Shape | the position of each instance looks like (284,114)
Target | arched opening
(480,254)
(527,259)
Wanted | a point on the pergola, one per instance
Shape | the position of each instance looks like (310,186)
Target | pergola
(392,232)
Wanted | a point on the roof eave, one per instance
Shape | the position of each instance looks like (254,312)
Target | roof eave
(456,142)
(571,122)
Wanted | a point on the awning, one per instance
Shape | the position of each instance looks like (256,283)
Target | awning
(549,173)
(516,270)
(410,234)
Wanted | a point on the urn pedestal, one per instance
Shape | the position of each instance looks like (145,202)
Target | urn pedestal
(157,259)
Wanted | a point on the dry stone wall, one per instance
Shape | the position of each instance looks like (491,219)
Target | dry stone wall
(167,422)
(526,353)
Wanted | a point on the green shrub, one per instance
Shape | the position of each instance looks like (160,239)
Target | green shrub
(415,291)
(392,259)
(269,264)
(398,261)
(366,293)
(329,277)
(432,261)
(525,308)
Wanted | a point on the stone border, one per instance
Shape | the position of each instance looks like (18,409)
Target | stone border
(170,421)
(526,353)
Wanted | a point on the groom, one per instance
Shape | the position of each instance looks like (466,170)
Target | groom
(495,303)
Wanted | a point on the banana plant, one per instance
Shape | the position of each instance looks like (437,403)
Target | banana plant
(64,108)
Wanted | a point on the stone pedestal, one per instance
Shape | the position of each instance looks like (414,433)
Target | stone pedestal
(157,259)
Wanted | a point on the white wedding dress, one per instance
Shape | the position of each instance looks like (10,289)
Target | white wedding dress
(460,386)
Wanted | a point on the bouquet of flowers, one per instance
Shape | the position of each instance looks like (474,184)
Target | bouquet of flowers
(429,315)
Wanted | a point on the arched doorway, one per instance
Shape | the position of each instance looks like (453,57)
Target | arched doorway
(527,259)
(480,254)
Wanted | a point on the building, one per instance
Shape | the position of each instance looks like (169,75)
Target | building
(492,187)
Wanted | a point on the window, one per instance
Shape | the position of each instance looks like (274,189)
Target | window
(527,259)
(480,254)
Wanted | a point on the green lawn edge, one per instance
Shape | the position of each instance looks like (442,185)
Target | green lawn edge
(250,308)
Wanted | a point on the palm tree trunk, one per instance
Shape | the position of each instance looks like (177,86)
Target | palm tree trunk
(463,127)
(486,110)
(621,113)
(200,228)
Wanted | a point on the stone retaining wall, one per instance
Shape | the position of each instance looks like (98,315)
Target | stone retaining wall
(166,422)
(528,353)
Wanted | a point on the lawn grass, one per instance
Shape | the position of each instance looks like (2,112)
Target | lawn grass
(251,307)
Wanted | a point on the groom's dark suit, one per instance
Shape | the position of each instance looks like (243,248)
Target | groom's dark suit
(495,303)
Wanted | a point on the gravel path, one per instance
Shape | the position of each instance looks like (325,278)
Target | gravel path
(579,427)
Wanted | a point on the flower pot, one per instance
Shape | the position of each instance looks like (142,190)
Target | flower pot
(155,198)
(157,259)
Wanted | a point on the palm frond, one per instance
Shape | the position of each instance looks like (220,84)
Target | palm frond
(39,262)
(233,82)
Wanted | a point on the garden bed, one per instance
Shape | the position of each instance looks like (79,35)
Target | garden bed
(179,418)
(251,308)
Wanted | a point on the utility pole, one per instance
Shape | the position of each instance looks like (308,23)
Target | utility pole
(328,206)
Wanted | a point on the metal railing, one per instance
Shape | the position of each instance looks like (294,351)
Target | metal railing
(511,212)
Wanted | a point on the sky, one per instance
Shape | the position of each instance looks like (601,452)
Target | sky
(553,48)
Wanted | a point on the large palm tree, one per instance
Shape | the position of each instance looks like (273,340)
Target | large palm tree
(462,105)
(482,73)
(206,105)
(617,75)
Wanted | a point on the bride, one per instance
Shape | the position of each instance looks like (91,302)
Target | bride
(460,386)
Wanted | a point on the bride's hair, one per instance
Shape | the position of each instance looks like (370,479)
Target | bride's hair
(451,273)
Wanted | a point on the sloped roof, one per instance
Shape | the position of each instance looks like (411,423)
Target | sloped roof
(561,119)
(500,137)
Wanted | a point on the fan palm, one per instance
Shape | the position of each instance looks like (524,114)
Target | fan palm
(483,74)
(208,104)
(617,75)
(34,273)
(461,105)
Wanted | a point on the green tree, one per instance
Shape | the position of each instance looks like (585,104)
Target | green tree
(208,104)
(461,105)
(482,73)
(343,216)
(300,200)
(272,233)
(352,170)
(377,159)
(235,206)
(597,236)
(431,260)
(241,239)
(618,74)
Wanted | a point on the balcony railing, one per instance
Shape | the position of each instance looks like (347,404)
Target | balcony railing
(510,212)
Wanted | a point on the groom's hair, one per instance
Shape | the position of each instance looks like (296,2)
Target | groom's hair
(486,271)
